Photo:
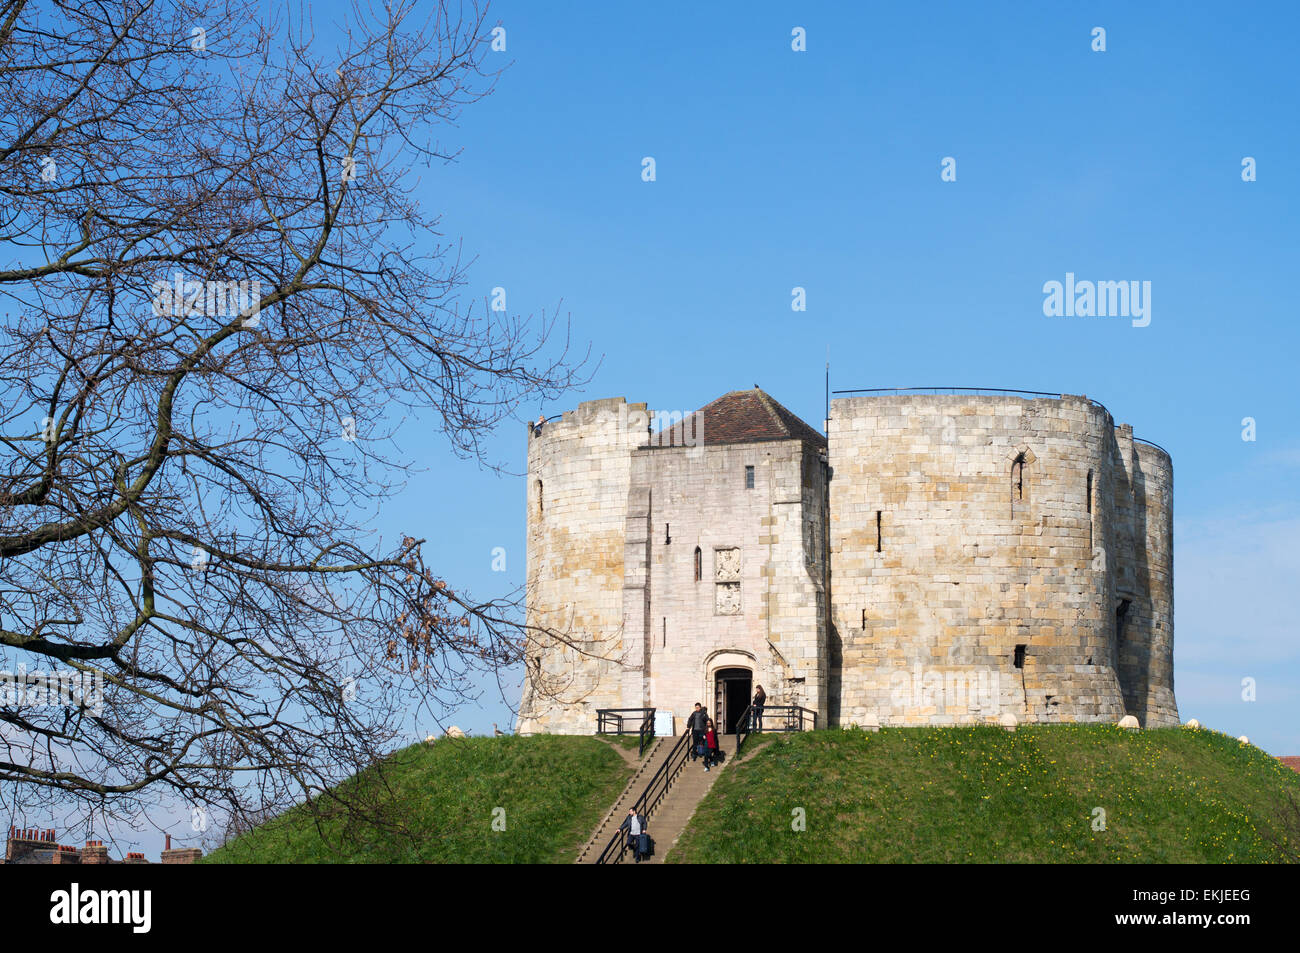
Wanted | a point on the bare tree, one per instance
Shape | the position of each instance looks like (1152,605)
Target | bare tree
(1281,829)
(221,298)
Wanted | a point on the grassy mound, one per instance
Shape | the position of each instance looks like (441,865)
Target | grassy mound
(984,795)
(553,789)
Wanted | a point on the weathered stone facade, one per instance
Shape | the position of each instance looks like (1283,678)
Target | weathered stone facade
(994,554)
(937,560)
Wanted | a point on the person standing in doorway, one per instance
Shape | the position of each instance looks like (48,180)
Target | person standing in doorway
(760,699)
(696,723)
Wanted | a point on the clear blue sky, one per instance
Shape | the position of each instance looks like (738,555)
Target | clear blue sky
(821,169)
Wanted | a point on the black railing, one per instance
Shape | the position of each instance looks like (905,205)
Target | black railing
(1152,443)
(774,718)
(939,390)
(947,389)
(536,426)
(647,732)
(650,797)
(619,721)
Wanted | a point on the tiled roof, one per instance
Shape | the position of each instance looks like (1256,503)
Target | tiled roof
(1291,761)
(741,416)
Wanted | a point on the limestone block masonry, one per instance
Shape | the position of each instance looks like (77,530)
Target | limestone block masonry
(934,559)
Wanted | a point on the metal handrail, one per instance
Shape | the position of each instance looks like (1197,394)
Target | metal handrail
(984,390)
(1152,443)
(784,717)
(649,800)
(743,727)
(996,390)
(647,732)
(615,716)
(976,391)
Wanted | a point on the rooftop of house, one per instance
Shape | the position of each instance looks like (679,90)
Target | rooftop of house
(740,416)
(41,846)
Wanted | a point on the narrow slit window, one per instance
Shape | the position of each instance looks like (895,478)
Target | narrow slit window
(1020,656)
(1018,479)
(880,539)
(539,497)
(1090,518)
(667,537)
(864,618)
(749,478)
(699,564)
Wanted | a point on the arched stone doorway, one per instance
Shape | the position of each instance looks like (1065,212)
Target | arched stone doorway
(733,689)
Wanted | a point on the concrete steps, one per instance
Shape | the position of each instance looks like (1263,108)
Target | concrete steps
(679,804)
(675,809)
(652,762)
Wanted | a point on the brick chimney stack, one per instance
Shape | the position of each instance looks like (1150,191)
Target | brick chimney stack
(179,855)
(28,841)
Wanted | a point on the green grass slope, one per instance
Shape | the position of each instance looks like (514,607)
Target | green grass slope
(984,795)
(554,790)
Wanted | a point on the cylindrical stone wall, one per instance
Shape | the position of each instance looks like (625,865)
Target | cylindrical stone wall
(1145,641)
(578,474)
(966,578)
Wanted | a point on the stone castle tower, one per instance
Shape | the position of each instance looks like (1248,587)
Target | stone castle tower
(935,559)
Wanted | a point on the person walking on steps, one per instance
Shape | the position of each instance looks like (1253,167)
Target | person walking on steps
(638,834)
(710,745)
(760,698)
(696,723)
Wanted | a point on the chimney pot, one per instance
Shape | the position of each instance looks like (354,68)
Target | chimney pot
(169,842)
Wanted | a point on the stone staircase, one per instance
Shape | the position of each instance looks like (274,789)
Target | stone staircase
(652,762)
(674,810)
(678,806)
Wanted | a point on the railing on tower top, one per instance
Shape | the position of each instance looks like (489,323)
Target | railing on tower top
(619,721)
(977,391)
(943,388)
(774,718)
(1152,443)
(650,797)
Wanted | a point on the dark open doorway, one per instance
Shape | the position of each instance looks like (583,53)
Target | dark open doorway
(732,697)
